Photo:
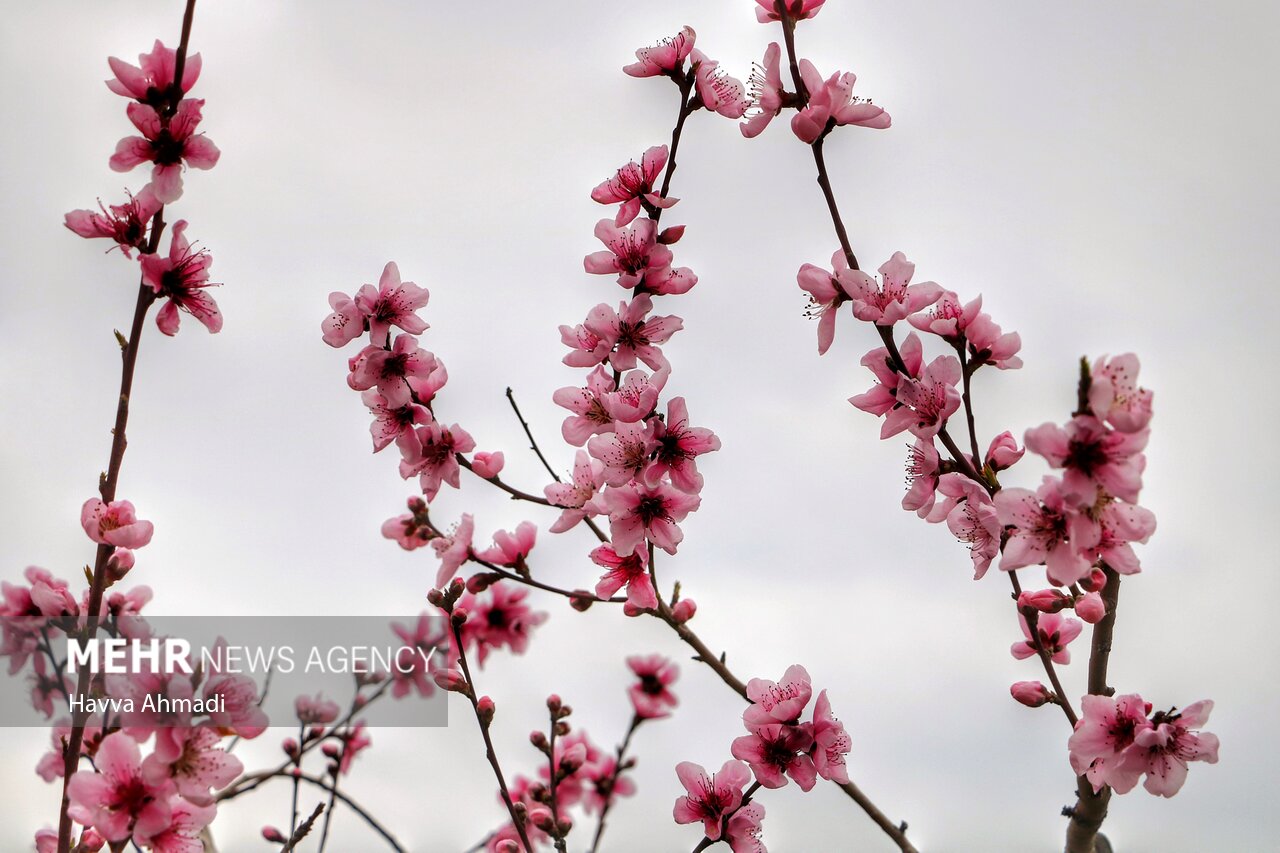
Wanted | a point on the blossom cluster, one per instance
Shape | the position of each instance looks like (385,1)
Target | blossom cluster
(167,121)
(778,747)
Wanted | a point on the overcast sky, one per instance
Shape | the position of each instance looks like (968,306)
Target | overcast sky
(1103,173)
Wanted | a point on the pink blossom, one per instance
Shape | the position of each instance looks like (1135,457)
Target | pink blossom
(502,618)
(114,524)
(678,446)
(239,700)
(430,452)
(182,835)
(830,742)
(989,345)
(924,404)
(922,477)
(624,452)
(391,303)
(389,370)
(1163,750)
(488,465)
(776,751)
(634,183)
(574,498)
(354,742)
(1047,530)
(636,397)
(683,610)
(948,318)
(827,292)
(151,81)
(126,223)
(1121,524)
(1094,457)
(1114,395)
(390,422)
(710,796)
(796,10)
(604,783)
(650,696)
(1054,632)
(832,100)
(511,549)
(345,324)
(778,701)
(894,298)
(588,416)
(453,550)
(1106,729)
(631,334)
(631,571)
(182,277)
(413,662)
(664,58)
(743,830)
(116,799)
(411,530)
(637,258)
(883,396)
(639,512)
(1044,600)
(193,759)
(316,710)
(586,348)
(765,86)
(168,144)
(45,685)
(1003,452)
(972,517)
(1033,694)
(719,92)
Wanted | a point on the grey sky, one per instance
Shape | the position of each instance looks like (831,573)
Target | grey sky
(1102,173)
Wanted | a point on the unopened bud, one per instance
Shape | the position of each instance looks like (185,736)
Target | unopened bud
(290,747)
(477,584)
(1043,600)
(270,833)
(417,505)
(1033,694)
(684,610)
(629,609)
(553,703)
(459,617)
(541,818)
(667,236)
(507,846)
(485,708)
(119,564)
(581,600)
(1091,608)
(539,740)
(330,749)
(1094,581)
(450,679)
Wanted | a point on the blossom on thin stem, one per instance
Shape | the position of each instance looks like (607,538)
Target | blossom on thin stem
(127,224)
(182,277)
(151,80)
(169,145)
(633,184)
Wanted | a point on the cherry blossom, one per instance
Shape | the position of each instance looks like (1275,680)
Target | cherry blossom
(832,100)
(1054,631)
(631,333)
(972,517)
(488,465)
(634,183)
(1114,395)
(664,58)
(651,696)
(636,257)
(636,397)
(743,830)
(719,92)
(625,452)
(631,571)
(389,370)
(574,498)
(151,80)
(678,446)
(453,549)
(586,404)
(1094,457)
(391,303)
(193,759)
(1121,524)
(430,452)
(511,549)
(776,752)
(778,701)
(168,145)
(115,523)
(796,10)
(922,477)
(345,324)
(830,742)
(894,297)
(500,618)
(390,422)
(925,403)
(1163,750)
(766,93)
(1046,530)
(182,835)
(883,396)
(639,512)
(1107,728)
(710,796)
(126,224)
(182,277)
(116,799)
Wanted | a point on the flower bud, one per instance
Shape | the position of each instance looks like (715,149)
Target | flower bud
(477,584)
(290,747)
(667,236)
(539,740)
(553,703)
(684,610)
(488,465)
(417,505)
(507,846)
(629,609)
(485,708)
(581,600)
(1091,608)
(1044,600)
(270,833)
(119,564)
(1033,694)
(1094,581)
(450,679)
(1003,452)
(541,818)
